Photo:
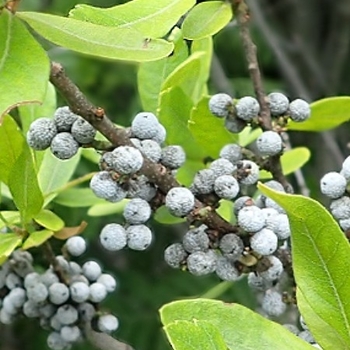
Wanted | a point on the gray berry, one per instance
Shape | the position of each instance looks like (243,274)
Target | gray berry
(67,314)
(76,245)
(278,103)
(64,146)
(139,237)
(137,211)
(251,219)
(179,201)
(41,133)
(160,135)
(222,166)
(64,118)
(299,110)
(38,293)
(151,150)
(231,152)
(242,202)
(340,208)
(202,263)
(234,125)
(79,292)
(86,311)
(247,108)
(107,323)
(272,303)
(275,270)
(58,293)
(70,333)
(251,172)
(83,131)
(140,187)
(258,283)
(196,240)
(175,255)
(98,292)
(91,270)
(220,105)
(128,160)
(269,143)
(203,181)
(145,125)
(226,270)
(264,242)
(108,281)
(333,185)
(345,169)
(173,156)
(231,244)
(56,342)
(113,237)
(226,187)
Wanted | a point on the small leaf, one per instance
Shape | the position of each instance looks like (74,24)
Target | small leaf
(186,335)
(326,114)
(97,40)
(153,19)
(67,232)
(163,216)
(24,65)
(11,145)
(240,328)
(78,198)
(24,187)
(321,260)
(226,209)
(37,238)
(49,220)
(206,19)
(187,172)
(8,243)
(209,131)
(291,161)
(248,135)
(107,208)
(11,217)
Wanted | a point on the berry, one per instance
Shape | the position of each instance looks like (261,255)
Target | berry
(257,282)
(264,242)
(79,292)
(137,211)
(113,237)
(40,133)
(235,125)
(220,105)
(6,318)
(274,272)
(48,278)
(231,246)
(58,293)
(98,292)
(251,172)
(251,219)
(145,125)
(279,224)
(56,342)
(31,309)
(247,108)
(272,303)
(270,203)
(70,334)
(86,311)
(299,110)
(17,296)
(38,293)
(139,237)
(269,143)
(64,118)
(173,157)
(150,149)
(141,188)
(292,328)
(222,166)
(226,187)
(345,224)
(180,201)
(278,103)
(13,281)
(231,152)
(76,245)
(242,202)
(202,263)
(107,323)
(127,160)
(160,135)
(175,255)
(196,240)
(340,208)
(105,187)
(226,270)
(92,270)
(333,185)
(64,146)
(108,281)
(345,169)
(67,314)
(203,182)
(31,280)
(307,336)
(83,131)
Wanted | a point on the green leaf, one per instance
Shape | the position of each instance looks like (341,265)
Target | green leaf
(24,187)
(226,209)
(209,131)
(163,216)
(78,198)
(104,209)
(29,113)
(241,328)
(151,75)
(49,220)
(248,135)
(206,19)
(8,243)
(24,66)
(97,40)
(11,217)
(186,335)
(37,238)
(11,145)
(291,161)
(55,173)
(321,260)
(326,114)
(153,19)
(187,172)
(174,112)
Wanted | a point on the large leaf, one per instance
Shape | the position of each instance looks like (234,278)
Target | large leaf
(291,161)
(24,187)
(8,243)
(206,19)
(78,198)
(49,220)
(321,262)
(107,208)
(11,145)
(195,335)
(24,66)
(174,113)
(326,114)
(151,75)
(97,40)
(153,18)
(241,328)
(163,216)
(37,238)
(10,216)
(208,131)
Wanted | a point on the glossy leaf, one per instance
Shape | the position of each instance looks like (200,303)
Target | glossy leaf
(187,172)
(97,40)
(163,216)
(174,113)
(240,328)
(291,160)
(206,19)
(11,217)
(107,208)
(8,243)
(24,187)
(225,209)
(321,260)
(326,114)
(153,19)
(248,135)
(67,232)
(78,198)
(209,131)
(49,220)
(11,145)
(37,238)
(151,75)
(194,335)
(24,66)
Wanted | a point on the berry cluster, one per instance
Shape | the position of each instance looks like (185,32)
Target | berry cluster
(62,304)
(64,134)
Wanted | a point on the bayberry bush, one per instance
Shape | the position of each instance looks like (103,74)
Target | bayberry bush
(205,178)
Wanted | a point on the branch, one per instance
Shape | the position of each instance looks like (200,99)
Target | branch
(156,173)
